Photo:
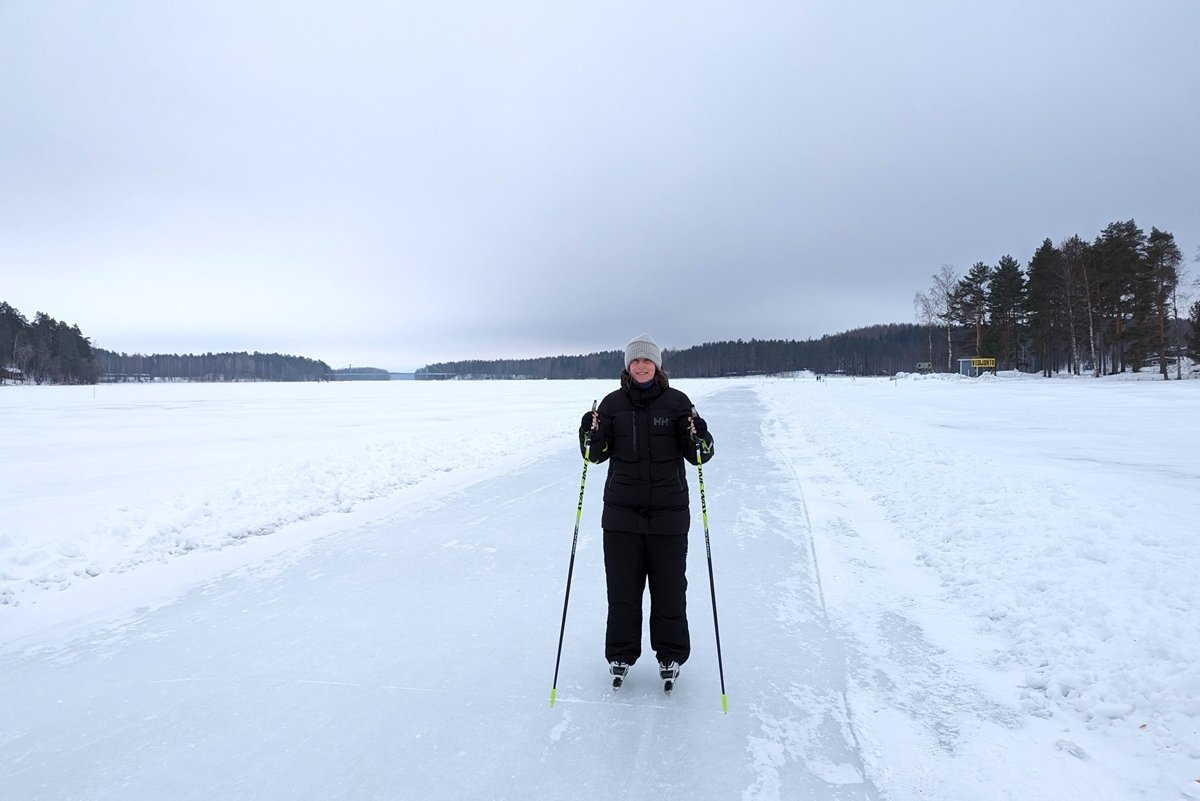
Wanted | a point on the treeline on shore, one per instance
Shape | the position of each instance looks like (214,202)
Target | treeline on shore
(1110,305)
(46,351)
(873,350)
(239,366)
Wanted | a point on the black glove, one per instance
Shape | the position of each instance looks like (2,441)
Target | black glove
(685,428)
(585,426)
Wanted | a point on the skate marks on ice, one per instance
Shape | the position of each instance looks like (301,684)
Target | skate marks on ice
(822,740)
(934,694)
(933,720)
(903,668)
(785,660)
(639,743)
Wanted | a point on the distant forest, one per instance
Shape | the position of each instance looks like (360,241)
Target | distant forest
(47,351)
(875,350)
(210,367)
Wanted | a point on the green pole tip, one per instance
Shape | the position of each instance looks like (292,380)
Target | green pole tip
(725,704)
(553,694)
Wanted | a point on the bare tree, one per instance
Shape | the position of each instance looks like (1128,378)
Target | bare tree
(941,304)
(926,316)
(1184,298)
(1178,327)
(1077,258)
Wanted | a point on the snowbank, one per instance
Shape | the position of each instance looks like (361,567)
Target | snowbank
(101,479)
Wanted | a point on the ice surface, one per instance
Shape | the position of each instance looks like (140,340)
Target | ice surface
(928,589)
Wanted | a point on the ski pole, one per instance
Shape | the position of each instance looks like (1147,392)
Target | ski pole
(587,449)
(712,587)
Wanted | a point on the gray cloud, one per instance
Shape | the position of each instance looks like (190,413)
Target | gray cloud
(405,183)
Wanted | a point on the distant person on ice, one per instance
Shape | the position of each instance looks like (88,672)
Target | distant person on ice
(646,431)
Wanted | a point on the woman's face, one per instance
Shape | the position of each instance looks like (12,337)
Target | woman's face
(642,370)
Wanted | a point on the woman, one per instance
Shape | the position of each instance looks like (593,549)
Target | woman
(646,431)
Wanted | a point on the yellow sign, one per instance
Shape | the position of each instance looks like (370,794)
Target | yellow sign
(983,362)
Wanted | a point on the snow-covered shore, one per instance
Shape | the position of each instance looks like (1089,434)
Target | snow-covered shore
(1059,516)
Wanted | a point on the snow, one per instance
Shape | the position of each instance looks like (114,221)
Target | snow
(929,588)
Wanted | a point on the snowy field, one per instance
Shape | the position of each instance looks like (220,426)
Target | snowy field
(929,588)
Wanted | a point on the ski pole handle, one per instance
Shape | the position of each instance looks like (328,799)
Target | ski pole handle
(587,438)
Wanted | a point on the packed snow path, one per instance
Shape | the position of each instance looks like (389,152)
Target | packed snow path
(411,656)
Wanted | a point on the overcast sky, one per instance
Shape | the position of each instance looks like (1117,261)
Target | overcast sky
(393,184)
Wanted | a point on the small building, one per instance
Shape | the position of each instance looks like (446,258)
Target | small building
(973,367)
(924,367)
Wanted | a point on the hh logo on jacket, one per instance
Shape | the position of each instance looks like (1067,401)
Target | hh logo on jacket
(662,421)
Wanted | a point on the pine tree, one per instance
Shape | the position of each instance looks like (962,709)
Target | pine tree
(970,303)
(1006,310)
(15,342)
(1119,260)
(1163,258)
(1046,302)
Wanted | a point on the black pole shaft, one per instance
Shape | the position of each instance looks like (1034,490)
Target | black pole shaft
(712,586)
(562,629)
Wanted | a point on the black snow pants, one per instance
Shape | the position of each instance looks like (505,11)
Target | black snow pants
(630,560)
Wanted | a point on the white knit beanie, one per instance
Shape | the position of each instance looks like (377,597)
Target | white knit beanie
(643,347)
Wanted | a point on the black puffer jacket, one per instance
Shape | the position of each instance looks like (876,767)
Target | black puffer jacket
(644,437)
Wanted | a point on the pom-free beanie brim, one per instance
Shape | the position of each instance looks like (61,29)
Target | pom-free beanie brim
(643,347)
